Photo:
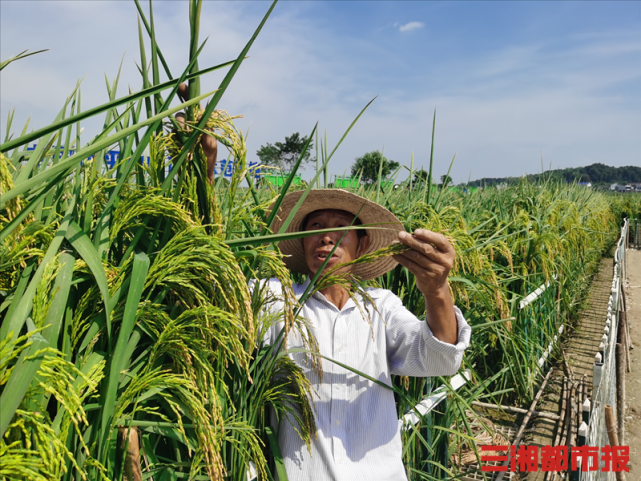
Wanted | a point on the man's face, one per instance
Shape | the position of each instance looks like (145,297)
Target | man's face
(317,247)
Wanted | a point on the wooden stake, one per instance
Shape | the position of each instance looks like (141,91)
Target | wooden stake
(568,369)
(625,328)
(564,414)
(578,405)
(559,427)
(570,420)
(611,426)
(129,442)
(511,409)
(559,430)
(573,428)
(519,434)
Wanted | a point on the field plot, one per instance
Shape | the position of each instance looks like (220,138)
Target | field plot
(128,336)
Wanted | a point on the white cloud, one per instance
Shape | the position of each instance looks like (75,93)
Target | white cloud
(411,26)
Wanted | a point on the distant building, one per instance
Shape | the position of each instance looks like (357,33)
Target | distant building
(613,187)
(586,184)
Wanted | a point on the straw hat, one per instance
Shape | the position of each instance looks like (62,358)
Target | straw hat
(387,230)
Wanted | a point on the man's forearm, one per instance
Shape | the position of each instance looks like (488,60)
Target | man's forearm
(440,316)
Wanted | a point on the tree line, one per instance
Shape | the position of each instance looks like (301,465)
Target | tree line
(597,174)
(370,165)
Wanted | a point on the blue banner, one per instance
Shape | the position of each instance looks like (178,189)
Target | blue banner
(224,167)
(111,157)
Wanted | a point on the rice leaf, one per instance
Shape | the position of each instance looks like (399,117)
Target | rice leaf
(59,124)
(117,360)
(74,160)
(81,242)
(58,305)
(21,55)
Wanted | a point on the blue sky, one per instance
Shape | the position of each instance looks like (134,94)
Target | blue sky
(511,81)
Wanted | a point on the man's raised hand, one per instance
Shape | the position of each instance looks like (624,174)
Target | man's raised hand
(430,259)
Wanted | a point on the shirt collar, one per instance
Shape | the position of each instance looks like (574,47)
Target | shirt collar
(299,290)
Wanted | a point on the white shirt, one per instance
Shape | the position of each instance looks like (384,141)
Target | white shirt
(358,431)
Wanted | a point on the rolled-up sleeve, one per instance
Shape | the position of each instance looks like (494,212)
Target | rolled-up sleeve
(412,349)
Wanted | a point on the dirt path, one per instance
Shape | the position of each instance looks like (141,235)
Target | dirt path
(581,345)
(633,379)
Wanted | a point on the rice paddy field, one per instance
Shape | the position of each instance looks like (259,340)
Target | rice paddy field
(129,327)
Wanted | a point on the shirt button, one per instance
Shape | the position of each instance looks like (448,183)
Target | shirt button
(337,422)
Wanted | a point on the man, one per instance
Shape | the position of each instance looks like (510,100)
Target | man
(358,432)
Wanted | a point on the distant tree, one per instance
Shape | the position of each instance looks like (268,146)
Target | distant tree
(420,176)
(600,173)
(446,180)
(369,165)
(286,154)
(585,178)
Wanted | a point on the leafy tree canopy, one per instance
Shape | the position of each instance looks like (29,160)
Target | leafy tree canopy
(286,154)
(421,176)
(585,178)
(369,165)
